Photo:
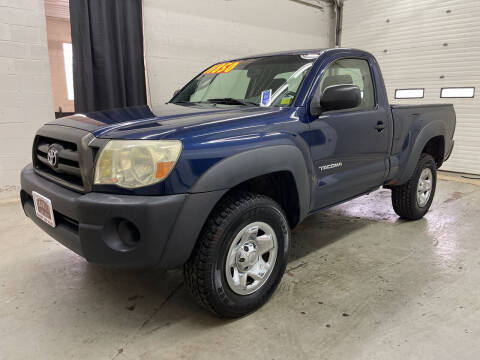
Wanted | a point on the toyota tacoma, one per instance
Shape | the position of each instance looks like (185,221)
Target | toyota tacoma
(215,179)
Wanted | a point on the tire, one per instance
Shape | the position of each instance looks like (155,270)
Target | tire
(213,273)
(407,202)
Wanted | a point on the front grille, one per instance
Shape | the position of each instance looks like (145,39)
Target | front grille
(75,155)
(68,167)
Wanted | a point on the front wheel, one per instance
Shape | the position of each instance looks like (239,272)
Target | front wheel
(240,256)
(412,200)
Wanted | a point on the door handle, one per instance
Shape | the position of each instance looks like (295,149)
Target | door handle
(380,126)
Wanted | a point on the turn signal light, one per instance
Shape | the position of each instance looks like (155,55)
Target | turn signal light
(163,169)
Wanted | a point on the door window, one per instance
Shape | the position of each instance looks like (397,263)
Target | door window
(351,72)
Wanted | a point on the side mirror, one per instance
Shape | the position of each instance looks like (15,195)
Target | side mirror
(336,97)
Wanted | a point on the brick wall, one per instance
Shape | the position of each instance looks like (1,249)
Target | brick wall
(25,91)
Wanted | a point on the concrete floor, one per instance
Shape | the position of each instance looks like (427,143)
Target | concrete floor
(361,284)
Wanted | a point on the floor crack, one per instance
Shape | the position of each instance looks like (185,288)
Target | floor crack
(147,321)
(160,307)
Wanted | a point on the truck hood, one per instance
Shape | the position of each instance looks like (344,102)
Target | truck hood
(163,121)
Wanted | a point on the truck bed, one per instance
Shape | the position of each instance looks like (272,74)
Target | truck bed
(406,116)
(412,121)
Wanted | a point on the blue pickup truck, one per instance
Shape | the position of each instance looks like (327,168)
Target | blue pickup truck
(215,179)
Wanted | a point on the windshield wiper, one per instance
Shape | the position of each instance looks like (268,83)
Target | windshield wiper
(182,102)
(231,101)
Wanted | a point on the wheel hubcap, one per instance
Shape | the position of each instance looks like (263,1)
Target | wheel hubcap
(251,258)
(424,187)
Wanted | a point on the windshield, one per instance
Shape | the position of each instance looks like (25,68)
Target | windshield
(262,81)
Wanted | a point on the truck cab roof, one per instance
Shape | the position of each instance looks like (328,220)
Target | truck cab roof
(304,52)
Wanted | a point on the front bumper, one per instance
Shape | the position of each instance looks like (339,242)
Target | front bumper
(121,230)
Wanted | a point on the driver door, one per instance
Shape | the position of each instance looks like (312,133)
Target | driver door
(348,147)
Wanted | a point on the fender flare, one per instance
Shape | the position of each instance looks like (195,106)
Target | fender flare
(249,164)
(431,130)
(216,181)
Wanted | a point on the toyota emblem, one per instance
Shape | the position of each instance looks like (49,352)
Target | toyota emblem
(52,156)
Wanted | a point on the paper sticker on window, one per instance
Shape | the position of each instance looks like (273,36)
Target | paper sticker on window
(222,68)
(286,101)
(266,95)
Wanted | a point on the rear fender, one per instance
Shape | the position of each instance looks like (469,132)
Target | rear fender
(429,131)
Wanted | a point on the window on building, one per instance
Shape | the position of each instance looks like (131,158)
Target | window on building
(457,92)
(67,57)
(409,93)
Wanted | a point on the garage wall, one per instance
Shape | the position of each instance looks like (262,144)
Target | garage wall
(25,91)
(184,37)
(425,44)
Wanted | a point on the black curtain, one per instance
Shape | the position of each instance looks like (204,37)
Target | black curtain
(108,63)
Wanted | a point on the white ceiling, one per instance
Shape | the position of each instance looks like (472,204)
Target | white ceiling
(57,9)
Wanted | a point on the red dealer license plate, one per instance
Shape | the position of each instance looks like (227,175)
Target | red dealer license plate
(43,208)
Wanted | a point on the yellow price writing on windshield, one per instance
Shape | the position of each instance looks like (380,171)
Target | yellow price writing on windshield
(222,68)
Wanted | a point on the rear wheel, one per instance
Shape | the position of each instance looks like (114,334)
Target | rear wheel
(240,256)
(412,200)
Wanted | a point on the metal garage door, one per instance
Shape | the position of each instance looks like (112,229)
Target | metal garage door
(430,44)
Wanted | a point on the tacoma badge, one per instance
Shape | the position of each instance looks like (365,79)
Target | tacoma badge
(330,166)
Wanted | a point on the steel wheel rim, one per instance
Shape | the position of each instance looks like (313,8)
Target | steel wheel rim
(424,187)
(251,258)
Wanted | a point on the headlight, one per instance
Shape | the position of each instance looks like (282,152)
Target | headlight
(136,163)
